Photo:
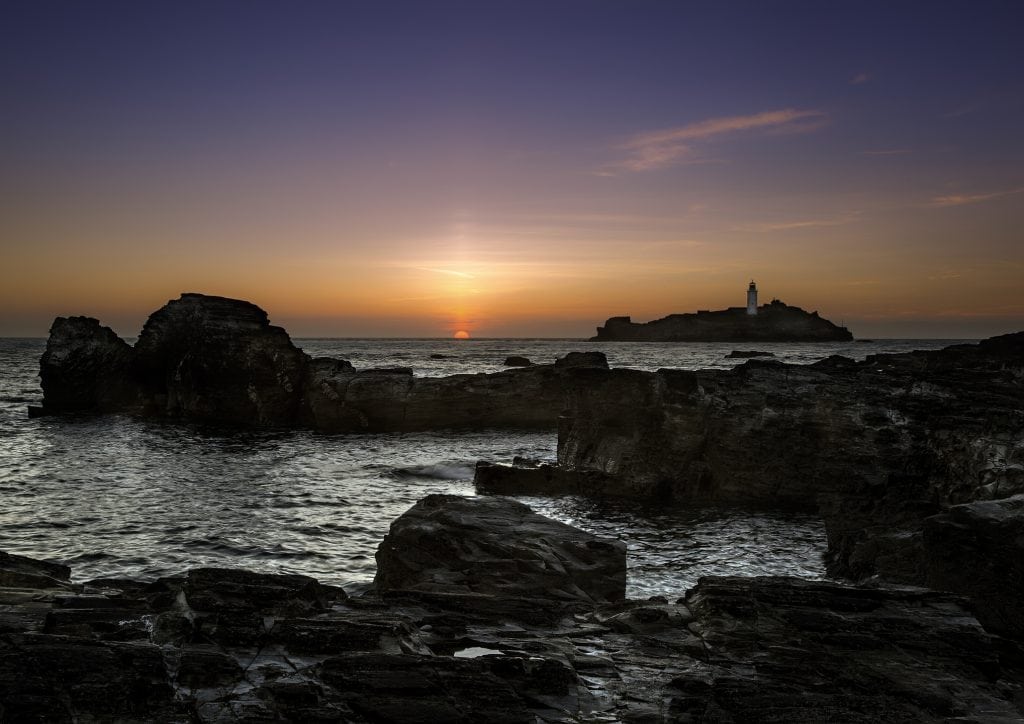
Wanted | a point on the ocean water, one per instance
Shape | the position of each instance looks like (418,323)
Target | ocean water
(117,496)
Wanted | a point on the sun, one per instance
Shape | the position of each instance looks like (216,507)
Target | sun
(462,334)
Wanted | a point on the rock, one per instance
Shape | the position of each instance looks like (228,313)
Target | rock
(86,368)
(219,360)
(451,544)
(56,678)
(583,359)
(218,590)
(256,647)
(977,550)
(741,354)
(517,361)
(419,690)
(211,359)
(876,446)
(24,572)
(541,479)
(788,650)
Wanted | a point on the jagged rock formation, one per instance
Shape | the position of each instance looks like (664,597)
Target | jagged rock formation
(497,546)
(87,368)
(220,645)
(876,446)
(212,359)
(774,322)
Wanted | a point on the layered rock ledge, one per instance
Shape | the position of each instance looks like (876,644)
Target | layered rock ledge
(211,359)
(888,450)
(225,645)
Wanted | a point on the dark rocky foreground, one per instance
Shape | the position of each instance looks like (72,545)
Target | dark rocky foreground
(915,461)
(217,360)
(774,322)
(444,638)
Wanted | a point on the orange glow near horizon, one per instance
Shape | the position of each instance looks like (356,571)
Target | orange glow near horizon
(461,334)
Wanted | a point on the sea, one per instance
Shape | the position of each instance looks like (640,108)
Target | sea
(116,496)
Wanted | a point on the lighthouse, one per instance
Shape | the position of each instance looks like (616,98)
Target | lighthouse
(752,298)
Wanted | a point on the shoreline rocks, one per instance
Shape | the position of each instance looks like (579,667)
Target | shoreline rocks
(217,645)
(216,360)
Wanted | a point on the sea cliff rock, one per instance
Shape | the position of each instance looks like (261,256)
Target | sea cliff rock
(774,322)
(211,359)
(87,368)
(219,360)
(451,544)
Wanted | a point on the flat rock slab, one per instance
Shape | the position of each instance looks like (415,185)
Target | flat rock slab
(451,544)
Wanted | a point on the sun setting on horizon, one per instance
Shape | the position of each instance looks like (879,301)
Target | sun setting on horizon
(461,334)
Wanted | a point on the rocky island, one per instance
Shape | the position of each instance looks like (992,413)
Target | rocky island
(772,322)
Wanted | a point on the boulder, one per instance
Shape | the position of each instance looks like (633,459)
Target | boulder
(517,361)
(497,546)
(86,368)
(747,354)
(219,360)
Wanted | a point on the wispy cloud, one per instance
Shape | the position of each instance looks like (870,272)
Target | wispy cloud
(887,152)
(670,146)
(450,272)
(962,199)
(860,79)
(797,224)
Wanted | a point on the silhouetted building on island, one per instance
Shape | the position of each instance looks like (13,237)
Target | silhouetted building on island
(772,322)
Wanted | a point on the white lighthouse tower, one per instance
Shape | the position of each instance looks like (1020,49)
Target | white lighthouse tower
(752,298)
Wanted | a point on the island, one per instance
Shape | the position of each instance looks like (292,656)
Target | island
(772,322)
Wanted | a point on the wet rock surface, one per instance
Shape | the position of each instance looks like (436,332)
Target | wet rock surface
(734,649)
(452,544)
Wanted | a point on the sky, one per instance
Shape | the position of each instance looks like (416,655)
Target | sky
(513,168)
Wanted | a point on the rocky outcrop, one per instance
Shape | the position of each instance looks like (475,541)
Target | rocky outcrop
(219,360)
(977,549)
(220,645)
(788,650)
(87,368)
(774,322)
(496,546)
(877,447)
(212,359)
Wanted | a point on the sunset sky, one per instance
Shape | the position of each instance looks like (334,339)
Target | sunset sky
(513,168)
